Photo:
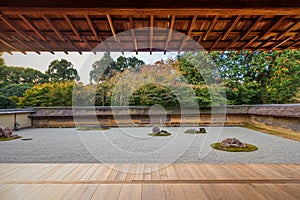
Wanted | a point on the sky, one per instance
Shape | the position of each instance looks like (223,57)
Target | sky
(83,63)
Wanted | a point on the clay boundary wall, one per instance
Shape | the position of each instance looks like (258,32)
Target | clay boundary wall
(275,117)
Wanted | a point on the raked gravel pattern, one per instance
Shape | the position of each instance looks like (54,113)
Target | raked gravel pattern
(134,145)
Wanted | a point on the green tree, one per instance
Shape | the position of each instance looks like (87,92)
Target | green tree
(62,70)
(21,75)
(102,69)
(259,77)
(6,102)
(48,94)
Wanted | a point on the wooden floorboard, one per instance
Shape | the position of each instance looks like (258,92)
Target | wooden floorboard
(149,181)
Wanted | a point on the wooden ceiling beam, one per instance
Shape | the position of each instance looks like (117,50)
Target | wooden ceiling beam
(25,45)
(54,28)
(30,24)
(112,28)
(252,27)
(151,32)
(248,43)
(215,43)
(234,23)
(278,21)
(73,45)
(211,26)
(295,43)
(282,33)
(8,44)
(231,43)
(281,43)
(75,31)
(88,45)
(15,28)
(190,29)
(171,27)
(263,43)
(133,35)
(41,45)
(14,10)
(92,27)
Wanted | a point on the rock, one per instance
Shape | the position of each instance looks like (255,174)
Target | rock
(156,130)
(5,132)
(191,131)
(232,142)
(202,130)
(102,126)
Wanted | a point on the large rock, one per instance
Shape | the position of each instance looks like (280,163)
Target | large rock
(7,132)
(232,142)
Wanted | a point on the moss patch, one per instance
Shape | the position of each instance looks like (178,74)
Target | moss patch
(8,139)
(292,136)
(92,129)
(248,148)
(194,133)
(159,134)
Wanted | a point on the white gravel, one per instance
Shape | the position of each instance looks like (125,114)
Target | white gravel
(133,145)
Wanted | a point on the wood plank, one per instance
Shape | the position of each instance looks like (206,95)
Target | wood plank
(129,191)
(110,191)
(153,191)
(174,191)
(154,11)
(31,25)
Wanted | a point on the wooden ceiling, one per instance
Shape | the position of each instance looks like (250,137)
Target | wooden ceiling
(77,25)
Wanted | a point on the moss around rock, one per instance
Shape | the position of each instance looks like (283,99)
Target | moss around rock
(2,139)
(248,148)
(160,134)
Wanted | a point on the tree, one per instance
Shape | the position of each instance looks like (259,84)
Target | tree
(102,69)
(259,77)
(21,75)
(6,103)
(48,94)
(62,70)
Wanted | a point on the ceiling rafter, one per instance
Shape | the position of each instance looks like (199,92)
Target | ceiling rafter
(215,43)
(31,25)
(278,21)
(112,28)
(263,43)
(258,20)
(73,45)
(133,35)
(211,26)
(14,27)
(276,45)
(282,34)
(88,45)
(234,23)
(10,45)
(231,43)
(248,43)
(25,45)
(171,27)
(74,29)
(40,44)
(151,32)
(54,28)
(92,27)
(57,46)
(191,27)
